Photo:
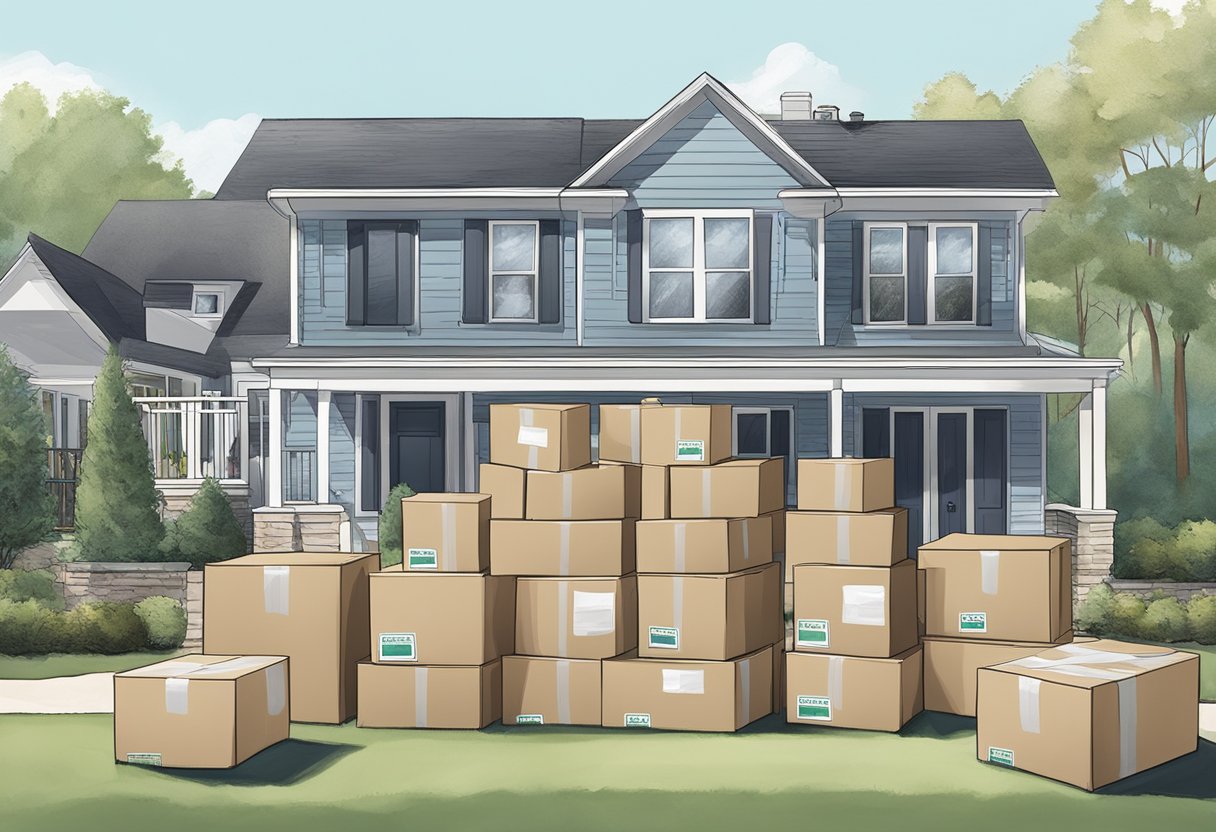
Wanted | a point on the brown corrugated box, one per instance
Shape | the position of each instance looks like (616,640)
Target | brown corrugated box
(998,587)
(853,692)
(621,433)
(709,617)
(779,651)
(440,619)
(845,484)
(310,607)
(506,486)
(951,665)
(539,690)
(865,611)
(875,538)
(565,548)
(418,696)
(446,532)
(683,695)
(576,618)
(685,434)
(716,545)
(780,530)
(547,437)
(656,492)
(200,711)
(597,492)
(738,488)
(1089,714)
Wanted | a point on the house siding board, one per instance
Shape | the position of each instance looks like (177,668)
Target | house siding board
(300,432)
(342,451)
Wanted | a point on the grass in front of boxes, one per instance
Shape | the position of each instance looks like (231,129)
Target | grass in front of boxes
(59,774)
(1207,665)
(76,664)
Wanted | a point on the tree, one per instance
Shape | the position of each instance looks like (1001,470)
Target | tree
(117,506)
(954,96)
(388,535)
(27,511)
(208,530)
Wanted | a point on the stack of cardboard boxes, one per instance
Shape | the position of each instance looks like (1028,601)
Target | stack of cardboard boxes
(709,594)
(857,658)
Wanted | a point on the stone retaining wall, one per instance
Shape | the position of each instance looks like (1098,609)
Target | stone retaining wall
(1092,532)
(86,582)
(312,528)
(1144,589)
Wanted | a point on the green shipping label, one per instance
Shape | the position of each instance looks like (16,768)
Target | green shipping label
(144,758)
(637,720)
(973,622)
(398,647)
(818,708)
(1000,756)
(530,719)
(665,637)
(812,632)
(690,450)
(423,559)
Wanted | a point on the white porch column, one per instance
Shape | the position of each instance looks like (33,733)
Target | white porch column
(274,462)
(836,419)
(324,402)
(1091,426)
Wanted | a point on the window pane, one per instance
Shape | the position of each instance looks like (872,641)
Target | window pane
(514,248)
(886,299)
(751,430)
(514,296)
(728,295)
(671,244)
(886,251)
(206,304)
(954,251)
(779,429)
(953,301)
(671,295)
(381,276)
(727,245)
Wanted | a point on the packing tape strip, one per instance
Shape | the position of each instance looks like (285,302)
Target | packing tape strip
(276,688)
(227,666)
(842,539)
(1079,656)
(563,616)
(745,527)
(635,434)
(1028,703)
(844,485)
(706,493)
(563,558)
(276,589)
(567,495)
(990,563)
(526,417)
(677,602)
(563,691)
(681,534)
(177,696)
(745,685)
(836,682)
(173,668)
(1127,727)
(448,515)
(420,690)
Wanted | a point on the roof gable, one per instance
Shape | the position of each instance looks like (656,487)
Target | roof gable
(115,307)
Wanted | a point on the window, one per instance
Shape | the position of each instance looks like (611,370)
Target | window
(380,288)
(886,273)
(765,432)
(952,270)
(514,265)
(208,305)
(697,266)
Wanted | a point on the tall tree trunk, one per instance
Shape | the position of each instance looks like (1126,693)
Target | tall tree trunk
(1154,344)
(1182,439)
(1131,356)
(1081,305)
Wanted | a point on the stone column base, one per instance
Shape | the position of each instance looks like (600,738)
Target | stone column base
(312,528)
(1092,532)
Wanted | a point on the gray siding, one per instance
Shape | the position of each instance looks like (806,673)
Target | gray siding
(342,451)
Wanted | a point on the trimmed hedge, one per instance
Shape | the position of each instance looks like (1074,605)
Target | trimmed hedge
(30,585)
(1108,613)
(165,621)
(1147,550)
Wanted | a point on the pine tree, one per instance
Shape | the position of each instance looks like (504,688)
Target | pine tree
(27,510)
(117,506)
(208,530)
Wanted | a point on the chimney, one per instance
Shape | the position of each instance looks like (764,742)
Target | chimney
(796,106)
(827,112)
(857,115)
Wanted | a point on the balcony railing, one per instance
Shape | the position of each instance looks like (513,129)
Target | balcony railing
(63,475)
(299,475)
(194,437)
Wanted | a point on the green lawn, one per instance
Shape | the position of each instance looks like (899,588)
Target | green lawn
(1207,665)
(72,664)
(60,775)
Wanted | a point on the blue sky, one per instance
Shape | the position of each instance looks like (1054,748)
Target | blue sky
(199,67)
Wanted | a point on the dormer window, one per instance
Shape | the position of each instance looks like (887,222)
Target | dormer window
(208,305)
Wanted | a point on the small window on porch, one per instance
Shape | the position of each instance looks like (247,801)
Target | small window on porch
(761,432)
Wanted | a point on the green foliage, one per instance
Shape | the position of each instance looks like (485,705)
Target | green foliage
(30,585)
(165,622)
(1096,610)
(1201,613)
(117,506)
(207,531)
(1144,548)
(1108,613)
(1165,620)
(28,627)
(389,534)
(27,510)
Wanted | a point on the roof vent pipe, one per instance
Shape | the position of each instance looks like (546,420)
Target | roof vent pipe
(795,106)
(827,112)
(857,115)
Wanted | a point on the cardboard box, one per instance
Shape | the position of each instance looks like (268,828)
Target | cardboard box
(419,696)
(853,692)
(576,618)
(446,532)
(597,492)
(951,665)
(780,530)
(704,546)
(846,484)
(566,548)
(507,487)
(546,437)
(200,711)
(739,488)
(779,652)
(621,433)
(684,695)
(855,610)
(710,617)
(876,538)
(538,690)
(998,587)
(1089,714)
(310,607)
(685,434)
(656,492)
(437,618)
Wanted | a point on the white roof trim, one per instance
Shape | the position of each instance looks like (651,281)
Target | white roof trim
(438,193)
(1028,193)
(665,117)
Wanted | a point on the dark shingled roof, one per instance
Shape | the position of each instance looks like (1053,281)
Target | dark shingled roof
(115,307)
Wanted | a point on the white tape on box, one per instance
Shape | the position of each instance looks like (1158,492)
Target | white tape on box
(563,616)
(844,485)
(681,534)
(533,438)
(567,495)
(745,525)
(448,514)
(594,613)
(1127,727)
(842,539)
(177,696)
(563,558)
(677,602)
(420,691)
(836,682)
(745,685)
(635,434)
(563,691)
(706,493)
(276,688)
(276,589)
(990,563)
(864,604)
(1028,703)
(679,680)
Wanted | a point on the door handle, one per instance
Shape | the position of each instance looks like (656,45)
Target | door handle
(950,506)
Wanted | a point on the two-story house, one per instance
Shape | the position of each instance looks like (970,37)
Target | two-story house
(361,290)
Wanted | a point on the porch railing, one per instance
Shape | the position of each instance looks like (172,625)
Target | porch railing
(299,475)
(195,437)
(63,475)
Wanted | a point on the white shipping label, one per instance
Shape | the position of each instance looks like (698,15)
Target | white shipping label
(276,688)
(864,604)
(676,680)
(533,436)
(594,613)
(690,450)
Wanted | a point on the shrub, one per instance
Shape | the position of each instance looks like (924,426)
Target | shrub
(31,585)
(1165,620)
(1201,614)
(28,627)
(1146,549)
(25,502)
(165,621)
(1194,555)
(389,534)
(104,627)
(1095,612)
(207,531)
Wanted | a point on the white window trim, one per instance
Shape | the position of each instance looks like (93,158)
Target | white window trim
(534,273)
(767,412)
(219,302)
(698,269)
(931,273)
(865,282)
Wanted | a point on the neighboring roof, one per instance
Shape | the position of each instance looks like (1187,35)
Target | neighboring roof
(214,364)
(114,306)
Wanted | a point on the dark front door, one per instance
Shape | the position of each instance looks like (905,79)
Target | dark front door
(951,473)
(989,471)
(416,446)
(910,473)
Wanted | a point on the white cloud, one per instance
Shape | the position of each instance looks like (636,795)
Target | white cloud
(209,152)
(1174,7)
(790,67)
(53,79)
